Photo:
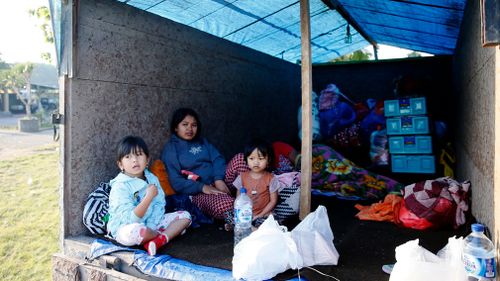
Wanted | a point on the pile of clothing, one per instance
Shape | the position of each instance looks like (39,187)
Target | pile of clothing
(439,203)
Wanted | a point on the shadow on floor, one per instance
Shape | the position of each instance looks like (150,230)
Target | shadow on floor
(364,246)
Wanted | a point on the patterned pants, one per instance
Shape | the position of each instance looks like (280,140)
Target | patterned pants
(218,206)
(129,234)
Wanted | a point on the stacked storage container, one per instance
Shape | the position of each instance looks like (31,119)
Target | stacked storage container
(410,143)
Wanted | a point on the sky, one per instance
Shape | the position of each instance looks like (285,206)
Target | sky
(390,52)
(21,39)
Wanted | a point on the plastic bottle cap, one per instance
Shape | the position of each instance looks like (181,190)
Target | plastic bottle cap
(477,227)
(243,190)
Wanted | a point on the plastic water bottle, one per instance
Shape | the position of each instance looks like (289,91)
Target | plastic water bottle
(478,255)
(242,216)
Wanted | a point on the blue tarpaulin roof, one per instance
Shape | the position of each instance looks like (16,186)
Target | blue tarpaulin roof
(273,26)
(430,26)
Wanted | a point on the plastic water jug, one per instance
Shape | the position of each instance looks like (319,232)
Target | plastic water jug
(478,255)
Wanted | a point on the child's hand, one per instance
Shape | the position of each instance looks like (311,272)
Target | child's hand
(151,191)
(141,209)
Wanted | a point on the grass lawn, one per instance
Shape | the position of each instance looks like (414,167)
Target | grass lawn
(29,215)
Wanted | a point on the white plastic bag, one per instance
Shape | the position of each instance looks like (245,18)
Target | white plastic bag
(266,252)
(415,263)
(314,239)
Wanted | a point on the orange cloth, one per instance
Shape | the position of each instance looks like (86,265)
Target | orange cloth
(158,169)
(381,211)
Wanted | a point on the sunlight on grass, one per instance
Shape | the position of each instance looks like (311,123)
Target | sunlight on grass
(29,216)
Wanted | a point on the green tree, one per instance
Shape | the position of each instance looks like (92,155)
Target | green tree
(44,23)
(414,55)
(358,55)
(3,64)
(17,78)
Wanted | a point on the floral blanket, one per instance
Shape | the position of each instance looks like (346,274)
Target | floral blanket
(332,172)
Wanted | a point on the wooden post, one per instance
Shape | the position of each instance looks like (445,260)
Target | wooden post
(306,149)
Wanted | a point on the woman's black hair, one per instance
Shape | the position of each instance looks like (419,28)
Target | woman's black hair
(262,146)
(131,144)
(180,114)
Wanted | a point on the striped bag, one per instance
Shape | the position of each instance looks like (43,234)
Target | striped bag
(288,199)
(95,212)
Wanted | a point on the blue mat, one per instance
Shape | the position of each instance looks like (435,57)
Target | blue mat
(164,266)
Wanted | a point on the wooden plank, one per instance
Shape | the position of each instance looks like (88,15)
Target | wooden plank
(306,149)
(495,228)
(490,22)
(67,268)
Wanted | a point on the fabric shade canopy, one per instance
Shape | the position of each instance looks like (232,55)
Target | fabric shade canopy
(338,27)
(273,27)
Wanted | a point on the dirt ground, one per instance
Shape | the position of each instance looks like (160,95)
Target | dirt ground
(14,143)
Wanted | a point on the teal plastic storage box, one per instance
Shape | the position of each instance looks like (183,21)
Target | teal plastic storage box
(416,164)
(410,145)
(405,106)
(407,125)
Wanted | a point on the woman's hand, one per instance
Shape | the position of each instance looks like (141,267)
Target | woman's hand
(221,186)
(208,189)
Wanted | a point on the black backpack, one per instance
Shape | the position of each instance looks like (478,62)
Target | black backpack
(95,212)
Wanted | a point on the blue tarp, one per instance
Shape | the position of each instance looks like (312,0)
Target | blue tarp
(430,26)
(164,266)
(273,27)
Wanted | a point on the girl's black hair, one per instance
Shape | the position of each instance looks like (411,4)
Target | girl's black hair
(131,144)
(262,146)
(180,114)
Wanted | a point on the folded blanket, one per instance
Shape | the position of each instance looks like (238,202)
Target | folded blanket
(443,201)
(333,172)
